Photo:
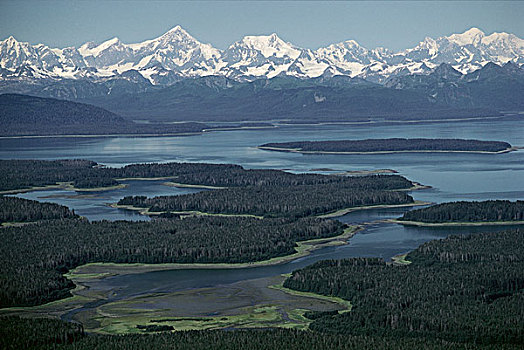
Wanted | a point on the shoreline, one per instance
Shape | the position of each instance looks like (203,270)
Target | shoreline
(345,211)
(145,211)
(192,133)
(99,135)
(205,187)
(451,224)
(336,300)
(298,150)
(276,123)
(340,212)
(302,249)
(67,186)
(366,172)
(394,121)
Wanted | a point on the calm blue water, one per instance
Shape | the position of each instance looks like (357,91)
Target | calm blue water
(452,177)
(95,205)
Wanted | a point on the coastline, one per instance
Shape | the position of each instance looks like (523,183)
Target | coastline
(340,212)
(344,303)
(345,211)
(99,135)
(393,121)
(63,186)
(451,224)
(145,211)
(179,185)
(193,133)
(298,150)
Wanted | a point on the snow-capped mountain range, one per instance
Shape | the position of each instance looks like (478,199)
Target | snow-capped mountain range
(177,55)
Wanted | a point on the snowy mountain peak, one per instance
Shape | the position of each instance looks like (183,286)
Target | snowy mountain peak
(176,34)
(176,55)
(176,29)
(471,36)
(10,40)
(268,45)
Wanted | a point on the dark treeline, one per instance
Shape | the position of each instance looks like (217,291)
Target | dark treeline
(34,257)
(46,334)
(14,209)
(464,288)
(43,333)
(17,174)
(394,144)
(493,210)
(296,201)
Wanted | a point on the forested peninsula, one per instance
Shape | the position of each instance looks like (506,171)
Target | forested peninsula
(447,292)
(391,145)
(34,257)
(492,211)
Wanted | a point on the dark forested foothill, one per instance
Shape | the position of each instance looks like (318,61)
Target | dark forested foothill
(486,211)
(391,145)
(449,291)
(34,257)
(23,115)
(14,209)
(45,334)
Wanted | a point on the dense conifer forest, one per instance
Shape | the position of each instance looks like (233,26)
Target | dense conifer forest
(449,291)
(14,209)
(486,211)
(392,145)
(45,334)
(34,257)
(19,174)
(278,201)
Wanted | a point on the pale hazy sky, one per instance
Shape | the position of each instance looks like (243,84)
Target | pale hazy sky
(310,24)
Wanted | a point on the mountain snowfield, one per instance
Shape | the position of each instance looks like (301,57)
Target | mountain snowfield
(177,55)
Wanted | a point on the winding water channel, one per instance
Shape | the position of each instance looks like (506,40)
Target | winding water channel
(452,177)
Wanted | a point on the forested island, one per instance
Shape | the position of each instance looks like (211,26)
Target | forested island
(447,292)
(18,175)
(391,145)
(282,201)
(492,211)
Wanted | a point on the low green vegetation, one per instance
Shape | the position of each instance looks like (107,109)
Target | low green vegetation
(46,334)
(390,145)
(449,291)
(463,212)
